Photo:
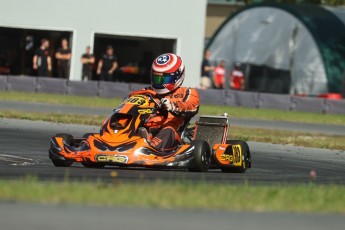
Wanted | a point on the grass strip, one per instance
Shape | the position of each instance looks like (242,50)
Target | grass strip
(179,194)
(239,112)
(59,99)
(315,140)
(247,134)
(54,117)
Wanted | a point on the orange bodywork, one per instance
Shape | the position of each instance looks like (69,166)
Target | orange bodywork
(227,155)
(138,152)
(118,143)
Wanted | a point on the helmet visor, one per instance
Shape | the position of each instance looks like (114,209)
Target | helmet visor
(162,79)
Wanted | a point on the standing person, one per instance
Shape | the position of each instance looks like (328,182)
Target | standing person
(42,61)
(206,71)
(237,78)
(63,56)
(219,75)
(107,65)
(88,60)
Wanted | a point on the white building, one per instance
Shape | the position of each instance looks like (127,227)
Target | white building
(173,25)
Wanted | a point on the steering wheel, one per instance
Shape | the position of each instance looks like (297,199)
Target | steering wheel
(158,105)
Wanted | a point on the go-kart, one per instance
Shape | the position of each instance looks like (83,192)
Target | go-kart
(123,142)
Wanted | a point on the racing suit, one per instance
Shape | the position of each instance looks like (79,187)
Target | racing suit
(165,127)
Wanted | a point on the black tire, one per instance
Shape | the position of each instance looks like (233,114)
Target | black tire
(246,158)
(201,156)
(62,163)
(68,139)
(90,164)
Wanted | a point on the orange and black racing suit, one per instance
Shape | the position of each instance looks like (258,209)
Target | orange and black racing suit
(186,105)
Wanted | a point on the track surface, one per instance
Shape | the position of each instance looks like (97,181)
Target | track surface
(34,217)
(262,124)
(24,150)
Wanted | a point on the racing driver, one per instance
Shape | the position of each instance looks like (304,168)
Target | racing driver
(182,103)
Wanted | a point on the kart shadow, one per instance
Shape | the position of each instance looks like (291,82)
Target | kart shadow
(131,168)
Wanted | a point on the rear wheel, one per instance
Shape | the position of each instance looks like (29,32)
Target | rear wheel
(68,139)
(201,156)
(246,158)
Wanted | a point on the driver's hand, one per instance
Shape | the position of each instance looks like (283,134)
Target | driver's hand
(167,104)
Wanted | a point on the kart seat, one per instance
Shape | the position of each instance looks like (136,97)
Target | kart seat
(212,129)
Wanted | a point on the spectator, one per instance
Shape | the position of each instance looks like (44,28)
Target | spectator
(63,56)
(206,71)
(42,60)
(88,60)
(219,75)
(237,78)
(107,65)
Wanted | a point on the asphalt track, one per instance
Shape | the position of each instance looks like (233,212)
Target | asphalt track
(262,124)
(34,217)
(24,151)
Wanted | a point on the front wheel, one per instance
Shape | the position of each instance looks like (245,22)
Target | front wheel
(62,163)
(201,156)
(68,139)
(246,157)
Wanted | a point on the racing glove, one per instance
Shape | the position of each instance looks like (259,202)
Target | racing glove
(169,106)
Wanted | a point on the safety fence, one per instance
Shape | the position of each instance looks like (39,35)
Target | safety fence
(212,96)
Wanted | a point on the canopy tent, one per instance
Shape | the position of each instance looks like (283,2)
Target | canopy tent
(285,48)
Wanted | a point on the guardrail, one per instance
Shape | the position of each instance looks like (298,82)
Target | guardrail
(212,96)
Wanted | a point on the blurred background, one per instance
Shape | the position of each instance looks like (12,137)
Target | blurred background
(292,47)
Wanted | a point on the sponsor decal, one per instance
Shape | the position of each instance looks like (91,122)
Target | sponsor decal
(237,153)
(111,158)
(145,111)
(137,100)
(235,157)
(226,157)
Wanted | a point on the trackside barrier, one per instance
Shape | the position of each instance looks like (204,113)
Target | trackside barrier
(308,104)
(82,88)
(51,85)
(211,96)
(335,106)
(274,101)
(23,84)
(3,83)
(107,89)
(245,99)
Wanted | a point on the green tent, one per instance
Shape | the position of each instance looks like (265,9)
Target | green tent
(285,48)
